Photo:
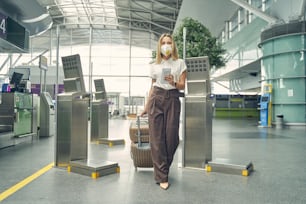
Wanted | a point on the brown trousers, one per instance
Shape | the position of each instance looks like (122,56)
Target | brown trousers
(164,117)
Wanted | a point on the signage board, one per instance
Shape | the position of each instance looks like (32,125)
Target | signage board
(3,26)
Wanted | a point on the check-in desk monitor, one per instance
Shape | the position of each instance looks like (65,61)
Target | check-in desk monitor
(198,112)
(15,80)
(24,71)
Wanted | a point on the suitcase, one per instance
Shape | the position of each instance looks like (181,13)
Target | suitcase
(144,131)
(141,151)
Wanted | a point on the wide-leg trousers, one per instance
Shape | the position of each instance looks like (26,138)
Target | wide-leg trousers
(164,118)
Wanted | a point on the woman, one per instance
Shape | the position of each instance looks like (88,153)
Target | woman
(168,75)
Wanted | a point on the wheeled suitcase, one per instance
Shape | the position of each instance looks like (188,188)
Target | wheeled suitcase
(143,128)
(140,151)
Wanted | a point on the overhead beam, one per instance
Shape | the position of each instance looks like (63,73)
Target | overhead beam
(256,11)
(153,12)
(111,23)
(37,56)
(165,5)
(5,61)
(15,62)
(302,12)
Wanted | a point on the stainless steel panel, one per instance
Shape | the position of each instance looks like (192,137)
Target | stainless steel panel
(198,87)
(99,120)
(99,85)
(70,96)
(47,123)
(198,114)
(63,139)
(79,136)
(100,95)
(72,128)
(198,81)
(35,122)
(72,68)
(198,132)
(72,85)
(198,68)
(90,167)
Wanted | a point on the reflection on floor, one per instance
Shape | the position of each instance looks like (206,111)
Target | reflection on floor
(278,156)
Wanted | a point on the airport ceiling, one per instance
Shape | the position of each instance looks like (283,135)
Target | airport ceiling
(113,21)
(147,19)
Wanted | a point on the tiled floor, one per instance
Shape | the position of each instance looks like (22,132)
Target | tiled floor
(278,155)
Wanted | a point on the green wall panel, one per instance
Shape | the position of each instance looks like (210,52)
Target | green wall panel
(292,91)
(288,43)
(291,113)
(289,65)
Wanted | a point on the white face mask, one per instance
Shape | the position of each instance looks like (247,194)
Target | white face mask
(166,49)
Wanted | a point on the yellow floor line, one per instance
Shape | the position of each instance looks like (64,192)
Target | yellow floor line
(24,182)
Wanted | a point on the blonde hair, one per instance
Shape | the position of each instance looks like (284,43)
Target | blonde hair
(174,53)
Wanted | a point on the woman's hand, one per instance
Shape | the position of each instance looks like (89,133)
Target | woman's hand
(169,78)
(143,113)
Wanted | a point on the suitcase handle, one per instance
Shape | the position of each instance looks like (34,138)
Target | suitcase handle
(138,122)
(138,131)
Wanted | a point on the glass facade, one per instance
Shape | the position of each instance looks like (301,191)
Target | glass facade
(241,18)
(124,67)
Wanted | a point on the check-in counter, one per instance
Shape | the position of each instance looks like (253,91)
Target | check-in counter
(16,118)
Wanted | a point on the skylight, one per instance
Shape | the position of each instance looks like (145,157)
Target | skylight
(88,12)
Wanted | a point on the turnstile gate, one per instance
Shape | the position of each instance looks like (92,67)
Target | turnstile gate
(198,113)
(198,123)
(99,117)
(72,125)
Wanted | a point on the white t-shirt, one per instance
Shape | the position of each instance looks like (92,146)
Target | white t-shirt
(177,68)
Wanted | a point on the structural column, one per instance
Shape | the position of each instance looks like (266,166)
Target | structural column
(283,66)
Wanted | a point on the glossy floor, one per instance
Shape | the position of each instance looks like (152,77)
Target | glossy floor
(278,155)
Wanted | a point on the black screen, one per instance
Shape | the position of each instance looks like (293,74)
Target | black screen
(265,99)
(16,78)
